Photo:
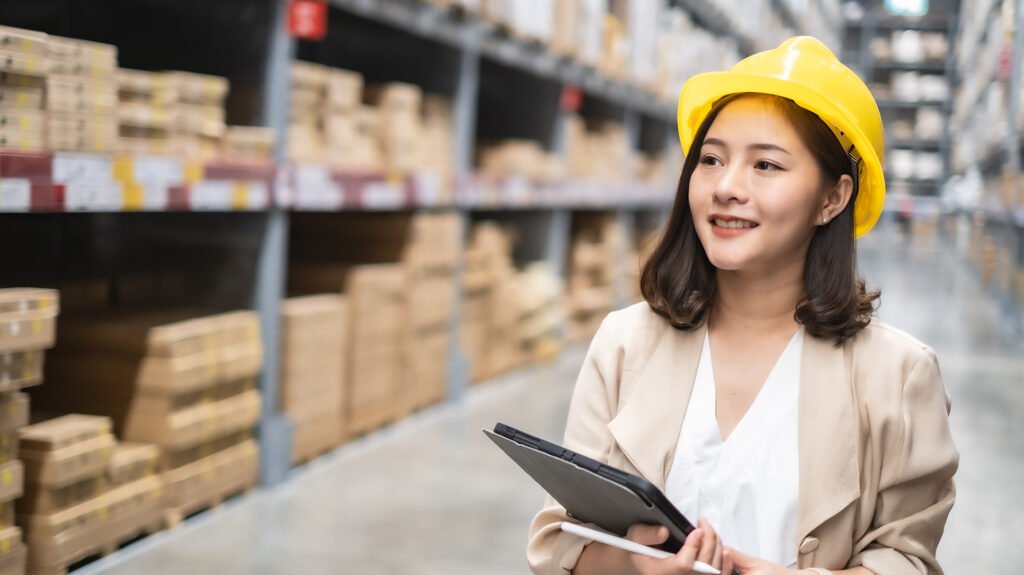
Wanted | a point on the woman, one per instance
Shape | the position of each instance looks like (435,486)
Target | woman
(753,385)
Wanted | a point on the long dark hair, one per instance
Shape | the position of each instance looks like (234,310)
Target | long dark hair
(679,282)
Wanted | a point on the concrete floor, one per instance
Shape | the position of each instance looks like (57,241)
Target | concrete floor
(432,495)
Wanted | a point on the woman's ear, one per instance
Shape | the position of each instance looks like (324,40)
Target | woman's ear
(836,199)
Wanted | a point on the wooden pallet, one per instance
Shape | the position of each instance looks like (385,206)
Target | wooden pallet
(173,517)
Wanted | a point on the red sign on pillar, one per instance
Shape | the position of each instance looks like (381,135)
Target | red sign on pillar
(572,98)
(307,19)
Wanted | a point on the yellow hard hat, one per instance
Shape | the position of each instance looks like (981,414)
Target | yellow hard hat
(805,71)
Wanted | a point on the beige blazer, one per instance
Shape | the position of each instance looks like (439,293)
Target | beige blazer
(876,456)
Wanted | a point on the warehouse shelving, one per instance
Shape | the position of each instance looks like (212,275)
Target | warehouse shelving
(904,108)
(992,221)
(240,214)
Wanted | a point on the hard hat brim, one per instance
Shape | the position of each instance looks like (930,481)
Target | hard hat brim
(701,92)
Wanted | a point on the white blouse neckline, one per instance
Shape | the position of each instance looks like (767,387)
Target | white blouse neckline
(746,485)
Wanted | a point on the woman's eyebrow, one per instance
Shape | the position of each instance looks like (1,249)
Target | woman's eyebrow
(756,147)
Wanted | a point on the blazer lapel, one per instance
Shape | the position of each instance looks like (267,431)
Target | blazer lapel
(828,436)
(647,427)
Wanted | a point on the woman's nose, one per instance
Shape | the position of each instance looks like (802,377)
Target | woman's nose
(731,187)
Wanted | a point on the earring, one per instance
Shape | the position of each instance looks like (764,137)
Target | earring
(824,220)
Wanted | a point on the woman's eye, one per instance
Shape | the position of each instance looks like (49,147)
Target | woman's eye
(710,161)
(766,166)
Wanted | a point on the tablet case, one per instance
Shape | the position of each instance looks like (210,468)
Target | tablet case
(591,491)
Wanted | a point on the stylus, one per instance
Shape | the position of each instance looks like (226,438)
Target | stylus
(627,545)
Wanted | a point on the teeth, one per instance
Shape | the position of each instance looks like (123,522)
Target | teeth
(734,224)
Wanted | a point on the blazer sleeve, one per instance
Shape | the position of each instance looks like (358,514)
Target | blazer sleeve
(550,551)
(916,490)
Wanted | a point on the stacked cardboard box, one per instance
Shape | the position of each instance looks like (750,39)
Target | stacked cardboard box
(400,130)
(426,246)
(431,258)
(376,296)
(82,96)
(24,65)
(173,112)
(541,312)
(519,159)
(313,370)
(599,151)
(490,310)
(248,144)
(598,247)
(177,379)
(27,327)
(327,121)
(437,149)
(65,512)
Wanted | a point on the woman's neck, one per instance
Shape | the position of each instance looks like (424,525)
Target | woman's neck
(761,302)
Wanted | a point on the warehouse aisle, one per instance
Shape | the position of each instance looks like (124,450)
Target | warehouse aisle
(433,496)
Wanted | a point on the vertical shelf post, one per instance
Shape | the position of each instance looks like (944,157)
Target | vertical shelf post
(275,428)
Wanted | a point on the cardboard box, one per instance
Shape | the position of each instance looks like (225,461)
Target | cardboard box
(12,550)
(45,500)
(197,88)
(69,464)
(12,479)
(14,411)
(309,75)
(197,424)
(72,51)
(132,462)
(61,539)
(14,97)
(316,433)
(8,446)
(395,97)
(205,482)
(343,90)
(23,41)
(12,62)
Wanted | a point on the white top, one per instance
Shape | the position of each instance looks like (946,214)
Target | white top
(747,487)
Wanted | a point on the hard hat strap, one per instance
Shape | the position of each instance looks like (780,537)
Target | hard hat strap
(854,168)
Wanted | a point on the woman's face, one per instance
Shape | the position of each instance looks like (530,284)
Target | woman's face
(756,193)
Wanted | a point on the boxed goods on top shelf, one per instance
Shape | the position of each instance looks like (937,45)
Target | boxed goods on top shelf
(518,159)
(599,151)
(337,121)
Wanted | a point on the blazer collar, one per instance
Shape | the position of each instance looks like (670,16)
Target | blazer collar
(647,427)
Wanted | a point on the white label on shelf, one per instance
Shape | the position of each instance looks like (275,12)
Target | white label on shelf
(428,188)
(259,195)
(155,198)
(327,196)
(312,176)
(15,195)
(383,195)
(158,170)
(211,195)
(93,196)
(74,167)
(516,191)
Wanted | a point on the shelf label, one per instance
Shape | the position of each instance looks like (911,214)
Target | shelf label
(72,167)
(212,195)
(258,197)
(383,195)
(15,195)
(85,196)
(428,188)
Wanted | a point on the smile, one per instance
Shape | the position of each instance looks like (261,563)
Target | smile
(734,224)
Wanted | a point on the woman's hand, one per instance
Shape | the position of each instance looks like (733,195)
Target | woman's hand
(747,565)
(703,544)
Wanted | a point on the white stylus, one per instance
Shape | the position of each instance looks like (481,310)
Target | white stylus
(631,546)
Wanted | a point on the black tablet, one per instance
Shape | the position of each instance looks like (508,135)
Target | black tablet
(591,491)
